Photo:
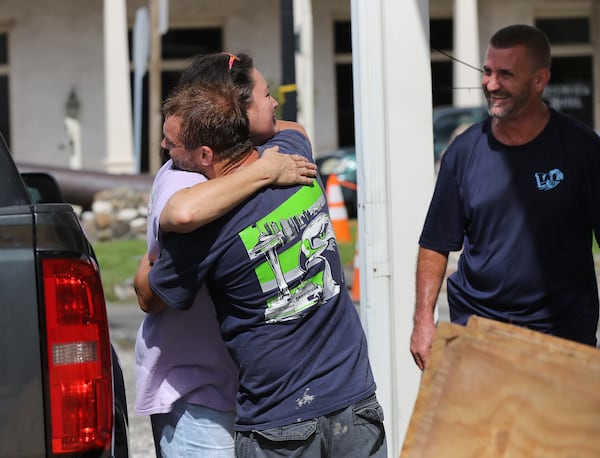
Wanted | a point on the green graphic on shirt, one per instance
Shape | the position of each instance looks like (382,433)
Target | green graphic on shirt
(289,257)
(291,240)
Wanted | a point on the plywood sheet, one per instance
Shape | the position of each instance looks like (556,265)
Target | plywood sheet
(496,390)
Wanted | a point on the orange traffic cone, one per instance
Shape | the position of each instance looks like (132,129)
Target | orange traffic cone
(355,291)
(337,209)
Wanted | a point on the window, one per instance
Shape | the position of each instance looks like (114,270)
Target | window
(4,95)
(344,84)
(184,43)
(178,46)
(343,37)
(441,34)
(571,89)
(441,39)
(566,31)
(571,86)
(3,49)
(441,82)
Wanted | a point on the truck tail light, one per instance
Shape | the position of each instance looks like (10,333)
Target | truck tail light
(79,365)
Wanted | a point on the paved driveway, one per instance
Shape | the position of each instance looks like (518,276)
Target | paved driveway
(124,320)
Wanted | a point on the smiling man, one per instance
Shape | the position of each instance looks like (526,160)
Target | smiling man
(519,194)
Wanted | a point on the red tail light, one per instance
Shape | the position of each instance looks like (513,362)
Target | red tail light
(80,371)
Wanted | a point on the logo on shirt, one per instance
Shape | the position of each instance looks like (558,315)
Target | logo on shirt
(549,180)
(295,242)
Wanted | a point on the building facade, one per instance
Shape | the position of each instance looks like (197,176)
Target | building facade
(571,26)
(53,65)
(52,54)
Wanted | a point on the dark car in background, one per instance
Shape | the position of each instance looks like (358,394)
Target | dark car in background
(447,121)
(342,163)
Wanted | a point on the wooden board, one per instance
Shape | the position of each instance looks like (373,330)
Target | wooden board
(496,390)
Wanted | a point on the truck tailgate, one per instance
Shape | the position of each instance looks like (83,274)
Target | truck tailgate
(21,390)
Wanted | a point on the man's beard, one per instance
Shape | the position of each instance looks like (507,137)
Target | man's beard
(186,163)
(508,106)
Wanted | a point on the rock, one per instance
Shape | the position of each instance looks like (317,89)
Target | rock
(119,213)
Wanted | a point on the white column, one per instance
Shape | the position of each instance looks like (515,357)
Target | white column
(467,80)
(394,138)
(155,85)
(119,136)
(303,25)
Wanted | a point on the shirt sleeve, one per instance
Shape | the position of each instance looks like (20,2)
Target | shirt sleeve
(290,141)
(166,183)
(445,221)
(177,283)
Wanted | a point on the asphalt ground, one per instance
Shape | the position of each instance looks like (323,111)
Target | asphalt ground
(124,320)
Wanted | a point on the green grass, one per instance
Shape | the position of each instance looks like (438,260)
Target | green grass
(119,260)
(347,250)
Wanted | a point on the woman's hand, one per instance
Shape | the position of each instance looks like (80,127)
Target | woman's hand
(287,169)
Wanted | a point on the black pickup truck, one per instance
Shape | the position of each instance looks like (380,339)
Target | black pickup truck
(61,387)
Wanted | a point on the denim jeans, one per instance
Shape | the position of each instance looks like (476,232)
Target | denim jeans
(356,431)
(192,430)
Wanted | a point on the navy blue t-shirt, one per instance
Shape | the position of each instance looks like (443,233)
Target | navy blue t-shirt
(524,216)
(274,272)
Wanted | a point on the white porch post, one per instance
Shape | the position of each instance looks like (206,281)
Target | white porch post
(303,20)
(119,136)
(394,139)
(466,48)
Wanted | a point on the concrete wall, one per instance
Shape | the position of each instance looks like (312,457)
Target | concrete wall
(53,47)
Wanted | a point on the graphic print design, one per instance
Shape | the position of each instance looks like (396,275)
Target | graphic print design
(550,180)
(297,249)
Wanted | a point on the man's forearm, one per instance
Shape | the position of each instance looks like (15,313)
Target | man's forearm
(191,208)
(431,268)
(147,300)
